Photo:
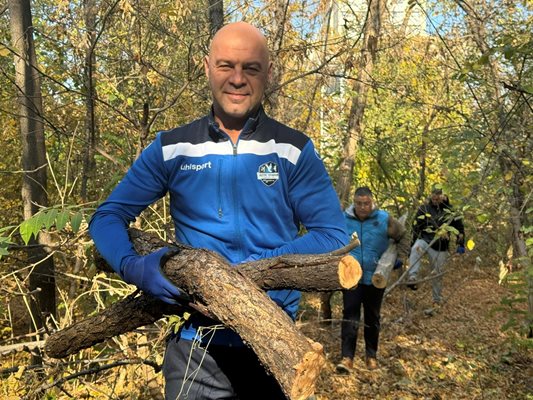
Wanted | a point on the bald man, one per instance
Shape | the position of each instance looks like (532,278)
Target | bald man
(240,184)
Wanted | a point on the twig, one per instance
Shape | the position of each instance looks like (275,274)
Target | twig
(90,371)
(26,346)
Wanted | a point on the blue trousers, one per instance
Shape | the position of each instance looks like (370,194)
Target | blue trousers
(193,371)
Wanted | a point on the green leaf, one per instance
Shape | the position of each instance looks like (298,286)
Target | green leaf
(482,218)
(75,222)
(29,228)
(62,219)
(49,218)
(176,321)
(3,251)
(508,52)
(483,60)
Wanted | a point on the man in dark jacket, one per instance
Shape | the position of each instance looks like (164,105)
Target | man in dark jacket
(434,221)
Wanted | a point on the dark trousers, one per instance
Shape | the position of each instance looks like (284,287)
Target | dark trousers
(197,372)
(370,298)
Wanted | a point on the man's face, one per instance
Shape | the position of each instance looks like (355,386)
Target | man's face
(436,199)
(363,206)
(238,70)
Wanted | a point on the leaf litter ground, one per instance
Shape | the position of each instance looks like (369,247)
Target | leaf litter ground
(454,351)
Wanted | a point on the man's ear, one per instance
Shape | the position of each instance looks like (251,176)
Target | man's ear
(206,66)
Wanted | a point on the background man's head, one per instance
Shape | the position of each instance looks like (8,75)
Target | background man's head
(437,197)
(238,68)
(363,202)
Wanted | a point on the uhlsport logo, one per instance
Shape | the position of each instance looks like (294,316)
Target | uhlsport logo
(195,167)
(268,173)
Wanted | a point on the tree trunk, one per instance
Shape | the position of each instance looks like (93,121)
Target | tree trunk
(277,26)
(354,131)
(422,156)
(215,16)
(34,165)
(360,88)
(90,96)
(510,161)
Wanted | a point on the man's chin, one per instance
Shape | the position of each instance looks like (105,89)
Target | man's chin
(238,113)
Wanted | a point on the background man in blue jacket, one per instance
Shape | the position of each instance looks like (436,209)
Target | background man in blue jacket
(374,228)
(240,184)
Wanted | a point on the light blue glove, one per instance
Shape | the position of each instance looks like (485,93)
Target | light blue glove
(145,273)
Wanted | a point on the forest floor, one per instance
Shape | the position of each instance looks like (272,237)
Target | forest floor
(455,351)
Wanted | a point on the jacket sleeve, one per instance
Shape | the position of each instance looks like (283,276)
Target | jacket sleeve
(316,206)
(399,234)
(143,184)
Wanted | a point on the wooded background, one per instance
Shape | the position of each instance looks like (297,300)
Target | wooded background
(390,102)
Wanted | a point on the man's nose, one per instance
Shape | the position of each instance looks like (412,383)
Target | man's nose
(237,77)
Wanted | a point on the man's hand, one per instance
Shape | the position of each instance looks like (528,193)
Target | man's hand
(460,249)
(145,273)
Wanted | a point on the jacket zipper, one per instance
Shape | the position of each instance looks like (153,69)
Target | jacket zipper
(219,189)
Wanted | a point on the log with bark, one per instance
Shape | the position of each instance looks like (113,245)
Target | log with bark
(235,297)
(386,262)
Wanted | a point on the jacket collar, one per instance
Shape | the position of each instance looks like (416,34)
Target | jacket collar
(249,127)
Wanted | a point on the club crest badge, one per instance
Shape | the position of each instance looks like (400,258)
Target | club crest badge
(268,173)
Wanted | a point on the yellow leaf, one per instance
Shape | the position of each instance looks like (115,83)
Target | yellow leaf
(153,77)
(470,244)
(20,371)
(508,176)
(4,51)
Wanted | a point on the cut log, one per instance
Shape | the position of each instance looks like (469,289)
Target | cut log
(233,298)
(385,265)
(307,273)
(386,262)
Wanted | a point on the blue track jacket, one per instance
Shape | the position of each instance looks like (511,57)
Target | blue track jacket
(245,201)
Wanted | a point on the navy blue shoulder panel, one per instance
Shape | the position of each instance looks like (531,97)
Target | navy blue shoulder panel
(195,132)
(269,129)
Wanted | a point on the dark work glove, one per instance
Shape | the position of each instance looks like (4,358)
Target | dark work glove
(460,249)
(398,264)
(145,273)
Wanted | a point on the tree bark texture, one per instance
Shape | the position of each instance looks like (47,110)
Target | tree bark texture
(90,14)
(354,131)
(232,297)
(386,261)
(384,267)
(215,15)
(34,164)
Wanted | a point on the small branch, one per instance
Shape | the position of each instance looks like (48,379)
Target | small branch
(90,371)
(26,346)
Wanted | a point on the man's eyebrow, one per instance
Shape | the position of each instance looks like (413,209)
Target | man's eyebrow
(253,64)
(257,64)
